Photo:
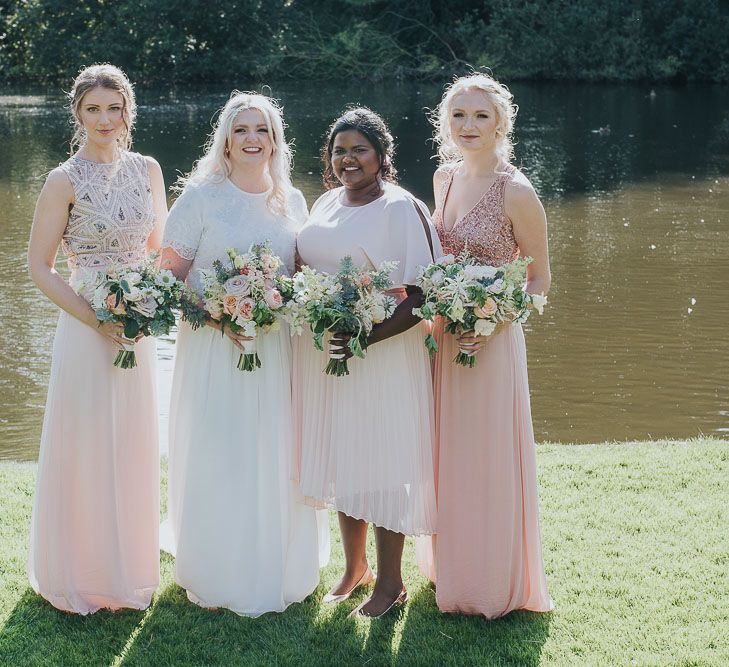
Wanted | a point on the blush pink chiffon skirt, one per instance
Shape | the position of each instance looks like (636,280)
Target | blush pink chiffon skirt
(94,531)
(486,558)
(365,439)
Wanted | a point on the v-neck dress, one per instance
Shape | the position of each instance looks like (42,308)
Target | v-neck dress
(487,556)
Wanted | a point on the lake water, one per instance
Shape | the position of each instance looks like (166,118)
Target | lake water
(634,343)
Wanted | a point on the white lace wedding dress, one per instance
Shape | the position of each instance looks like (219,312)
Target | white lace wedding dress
(241,537)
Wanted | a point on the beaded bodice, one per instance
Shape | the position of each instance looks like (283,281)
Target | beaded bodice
(112,216)
(485,230)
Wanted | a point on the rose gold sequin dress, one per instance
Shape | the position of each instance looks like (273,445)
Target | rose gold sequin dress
(94,533)
(487,553)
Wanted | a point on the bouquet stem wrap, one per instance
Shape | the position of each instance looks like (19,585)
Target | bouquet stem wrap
(467,359)
(248,360)
(337,365)
(126,358)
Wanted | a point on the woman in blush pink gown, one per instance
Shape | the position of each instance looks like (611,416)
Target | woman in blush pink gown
(486,558)
(94,533)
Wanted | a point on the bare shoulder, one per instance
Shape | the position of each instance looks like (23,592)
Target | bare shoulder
(521,202)
(520,191)
(152,165)
(441,174)
(520,184)
(58,185)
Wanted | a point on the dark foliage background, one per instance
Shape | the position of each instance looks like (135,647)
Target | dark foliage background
(215,40)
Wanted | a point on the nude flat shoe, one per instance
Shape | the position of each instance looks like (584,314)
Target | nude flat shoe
(399,601)
(367,578)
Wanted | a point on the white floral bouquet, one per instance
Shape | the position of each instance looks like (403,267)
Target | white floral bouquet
(350,302)
(473,297)
(141,297)
(245,294)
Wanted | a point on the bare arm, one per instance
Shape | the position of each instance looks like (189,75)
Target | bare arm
(439,178)
(49,223)
(159,201)
(530,230)
(402,319)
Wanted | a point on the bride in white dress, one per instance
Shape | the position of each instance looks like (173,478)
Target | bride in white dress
(241,537)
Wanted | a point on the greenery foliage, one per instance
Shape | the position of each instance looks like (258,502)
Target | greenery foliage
(215,40)
(635,551)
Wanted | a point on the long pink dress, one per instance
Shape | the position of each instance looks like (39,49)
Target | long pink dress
(94,532)
(364,440)
(487,552)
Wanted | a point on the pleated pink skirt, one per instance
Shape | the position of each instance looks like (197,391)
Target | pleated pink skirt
(487,557)
(365,440)
(94,531)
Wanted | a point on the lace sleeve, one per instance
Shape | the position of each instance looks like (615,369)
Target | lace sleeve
(184,226)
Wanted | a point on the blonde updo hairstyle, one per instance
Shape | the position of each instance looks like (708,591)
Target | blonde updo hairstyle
(500,97)
(102,76)
(215,166)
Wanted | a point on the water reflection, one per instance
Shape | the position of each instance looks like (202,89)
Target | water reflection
(638,229)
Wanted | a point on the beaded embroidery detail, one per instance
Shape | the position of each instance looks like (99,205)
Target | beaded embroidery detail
(113,214)
(485,229)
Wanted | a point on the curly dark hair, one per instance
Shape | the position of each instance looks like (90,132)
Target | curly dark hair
(373,127)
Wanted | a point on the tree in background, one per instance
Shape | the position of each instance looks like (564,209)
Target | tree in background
(215,40)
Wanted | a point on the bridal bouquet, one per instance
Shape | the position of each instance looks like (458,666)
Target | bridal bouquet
(474,297)
(141,297)
(349,302)
(245,294)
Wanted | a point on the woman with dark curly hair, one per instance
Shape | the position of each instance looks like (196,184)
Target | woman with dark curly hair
(366,438)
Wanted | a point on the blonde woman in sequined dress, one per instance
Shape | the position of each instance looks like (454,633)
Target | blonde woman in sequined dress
(486,558)
(94,533)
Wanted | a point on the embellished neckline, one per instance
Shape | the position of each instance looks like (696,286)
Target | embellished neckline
(500,176)
(99,164)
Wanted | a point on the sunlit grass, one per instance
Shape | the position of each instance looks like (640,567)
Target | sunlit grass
(636,541)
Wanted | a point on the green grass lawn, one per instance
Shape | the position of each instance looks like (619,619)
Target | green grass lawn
(636,543)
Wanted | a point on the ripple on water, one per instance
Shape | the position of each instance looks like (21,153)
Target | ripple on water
(638,229)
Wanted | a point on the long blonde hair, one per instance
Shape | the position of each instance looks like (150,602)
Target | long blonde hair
(214,166)
(500,97)
(102,76)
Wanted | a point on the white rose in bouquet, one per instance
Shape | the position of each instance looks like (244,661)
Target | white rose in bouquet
(133,277)
(497,286)
(134,294)
(146,307)
(238,286)
(476,272)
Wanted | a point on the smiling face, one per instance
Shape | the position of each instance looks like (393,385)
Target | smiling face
(355,161)
(473,121)
(101,113)
(250,144)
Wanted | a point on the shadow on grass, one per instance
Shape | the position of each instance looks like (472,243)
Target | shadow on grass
(453,639)
(176,632)
(36,633)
